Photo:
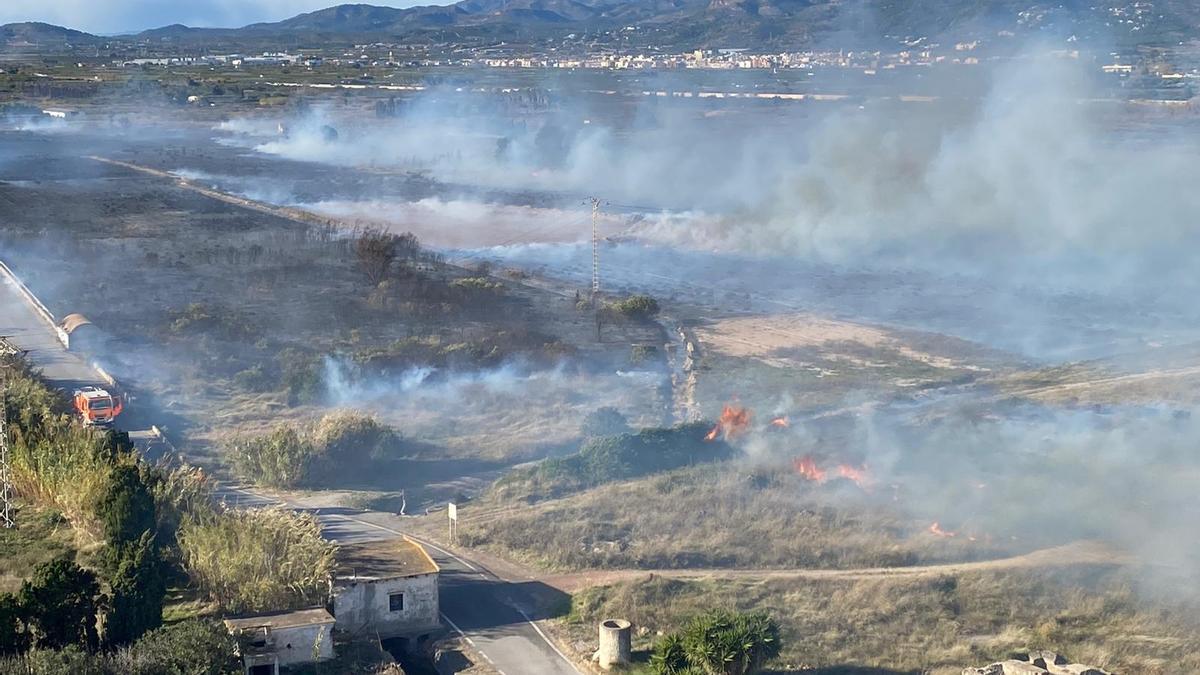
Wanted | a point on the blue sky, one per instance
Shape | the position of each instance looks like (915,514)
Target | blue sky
(117,16)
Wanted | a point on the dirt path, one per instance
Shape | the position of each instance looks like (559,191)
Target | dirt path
(1068,555)
(1106,381)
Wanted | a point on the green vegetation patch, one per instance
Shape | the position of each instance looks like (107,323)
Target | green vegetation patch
(615,458)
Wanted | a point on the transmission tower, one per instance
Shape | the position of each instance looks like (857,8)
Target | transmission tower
(6,489)
(7,509)
(595,247)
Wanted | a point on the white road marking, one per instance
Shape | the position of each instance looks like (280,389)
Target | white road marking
(547,639)
(471,642)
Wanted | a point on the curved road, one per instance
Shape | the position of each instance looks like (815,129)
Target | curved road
(476,603)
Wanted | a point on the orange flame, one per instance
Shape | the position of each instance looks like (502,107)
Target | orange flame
(781,422)
(937,530)
(856,474)
(807,468)
(733,422)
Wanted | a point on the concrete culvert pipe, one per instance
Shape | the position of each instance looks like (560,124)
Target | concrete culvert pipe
(616,643)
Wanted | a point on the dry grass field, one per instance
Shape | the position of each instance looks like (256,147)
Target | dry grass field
(934,625)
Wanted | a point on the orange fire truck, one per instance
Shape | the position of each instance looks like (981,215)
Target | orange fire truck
(97,407)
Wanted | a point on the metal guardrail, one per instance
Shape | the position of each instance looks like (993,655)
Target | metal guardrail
(37,305)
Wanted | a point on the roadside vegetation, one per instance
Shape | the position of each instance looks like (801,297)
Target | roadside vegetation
(340,444)
(147,527)
(258,559)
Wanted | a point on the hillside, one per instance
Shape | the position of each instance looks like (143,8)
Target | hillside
(682,24)
(35,35)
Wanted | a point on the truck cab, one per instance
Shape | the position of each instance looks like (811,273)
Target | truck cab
(96,406)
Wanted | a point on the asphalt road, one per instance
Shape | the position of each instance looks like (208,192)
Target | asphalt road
(474,602)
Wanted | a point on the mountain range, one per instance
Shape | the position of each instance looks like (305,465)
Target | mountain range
(681,23)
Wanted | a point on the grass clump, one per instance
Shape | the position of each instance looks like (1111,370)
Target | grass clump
(341,443)
(258,559)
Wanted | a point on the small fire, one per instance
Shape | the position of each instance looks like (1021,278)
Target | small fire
(807,468)
(937,530)
(858,474)
(781,422)
(733,423)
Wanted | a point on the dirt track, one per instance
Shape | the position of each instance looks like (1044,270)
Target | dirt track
(1068,555)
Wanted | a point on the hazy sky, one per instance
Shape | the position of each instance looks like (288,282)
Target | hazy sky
(117,16)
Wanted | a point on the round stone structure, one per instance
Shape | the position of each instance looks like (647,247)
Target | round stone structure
(616,643)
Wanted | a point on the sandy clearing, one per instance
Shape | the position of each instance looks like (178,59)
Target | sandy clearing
(764,337)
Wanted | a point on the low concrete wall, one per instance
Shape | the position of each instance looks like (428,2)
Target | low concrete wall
(10,276)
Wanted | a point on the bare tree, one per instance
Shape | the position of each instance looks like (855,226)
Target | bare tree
(376,250)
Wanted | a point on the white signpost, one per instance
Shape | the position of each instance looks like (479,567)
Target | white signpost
(452,512)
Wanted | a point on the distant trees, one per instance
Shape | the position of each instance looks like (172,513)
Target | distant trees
(718,643)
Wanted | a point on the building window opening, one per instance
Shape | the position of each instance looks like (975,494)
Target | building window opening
(396,602)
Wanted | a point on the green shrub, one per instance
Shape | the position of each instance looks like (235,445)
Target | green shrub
(126,509)
(192,647)
(138,589)
(301,376)
(254,379)
(606,421)
(60,603)
(636,307)
(13,639)
(718,643)
(615,458)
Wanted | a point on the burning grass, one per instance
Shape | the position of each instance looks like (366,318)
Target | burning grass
(936,624)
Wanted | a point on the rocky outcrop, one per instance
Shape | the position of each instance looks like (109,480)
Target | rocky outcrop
(1038,662)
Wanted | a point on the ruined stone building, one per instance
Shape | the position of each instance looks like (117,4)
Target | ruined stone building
(387,589)
(267,642)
